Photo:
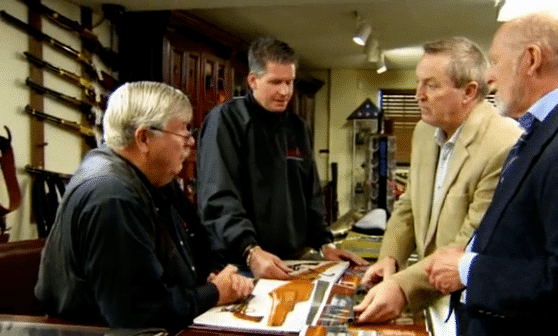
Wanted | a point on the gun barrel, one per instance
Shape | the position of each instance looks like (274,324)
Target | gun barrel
(83,130)
(84,107)
(39,35)
(68,75)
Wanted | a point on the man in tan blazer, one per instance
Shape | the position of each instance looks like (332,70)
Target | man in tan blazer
(458,150)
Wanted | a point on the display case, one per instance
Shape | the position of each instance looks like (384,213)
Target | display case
(373,161)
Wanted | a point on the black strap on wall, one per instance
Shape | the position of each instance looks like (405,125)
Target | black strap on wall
(46,194)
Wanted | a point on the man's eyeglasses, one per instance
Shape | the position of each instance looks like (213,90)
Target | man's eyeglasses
(191,132)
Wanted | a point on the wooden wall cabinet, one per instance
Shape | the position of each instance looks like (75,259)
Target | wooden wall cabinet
(206,63)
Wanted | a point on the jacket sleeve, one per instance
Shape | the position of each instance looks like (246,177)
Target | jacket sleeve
(122,268)
(220,191)
(399,239)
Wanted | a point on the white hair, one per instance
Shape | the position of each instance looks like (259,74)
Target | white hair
(147,104)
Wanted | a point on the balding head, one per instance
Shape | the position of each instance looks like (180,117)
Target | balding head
(537,29)
(524,55)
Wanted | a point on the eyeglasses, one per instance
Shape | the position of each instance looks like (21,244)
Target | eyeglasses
(191,132)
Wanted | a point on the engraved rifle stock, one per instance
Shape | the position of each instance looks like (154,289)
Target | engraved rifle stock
(285,297)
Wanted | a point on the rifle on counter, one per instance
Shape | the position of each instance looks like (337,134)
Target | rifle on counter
(107,55)
(91,136)
(106,80)
(93,113)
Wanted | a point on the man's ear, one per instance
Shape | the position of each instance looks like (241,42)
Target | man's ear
(142,138)
(252,81)
(471,91)
(534,59)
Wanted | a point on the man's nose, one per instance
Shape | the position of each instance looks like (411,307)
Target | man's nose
(489,77)
(284,89)
(419,93)
(190,141)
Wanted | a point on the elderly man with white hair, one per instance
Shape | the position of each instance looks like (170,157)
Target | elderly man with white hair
(127,249)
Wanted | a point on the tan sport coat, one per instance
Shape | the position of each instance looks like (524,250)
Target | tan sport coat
(479,152)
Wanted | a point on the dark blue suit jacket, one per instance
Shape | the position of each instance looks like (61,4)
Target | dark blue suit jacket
(513,284)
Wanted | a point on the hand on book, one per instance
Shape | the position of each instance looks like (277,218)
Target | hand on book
(268,266)
(382,303)
(231,285)
(383,269)
(337,254)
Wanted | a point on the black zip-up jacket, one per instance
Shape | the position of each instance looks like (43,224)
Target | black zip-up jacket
(257,181)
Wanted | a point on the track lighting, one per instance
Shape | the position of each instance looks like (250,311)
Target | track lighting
(382,64)
(363,31)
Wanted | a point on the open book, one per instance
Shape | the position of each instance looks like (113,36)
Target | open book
(254,314)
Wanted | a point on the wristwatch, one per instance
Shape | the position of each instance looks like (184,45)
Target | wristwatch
(330,245)
(248,252)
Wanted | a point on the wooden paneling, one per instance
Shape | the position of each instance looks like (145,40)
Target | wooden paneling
(177,48)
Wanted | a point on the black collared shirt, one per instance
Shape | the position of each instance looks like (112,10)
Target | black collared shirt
(119,252)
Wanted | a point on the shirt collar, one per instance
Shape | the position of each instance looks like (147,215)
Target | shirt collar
(543,106)
(440,136)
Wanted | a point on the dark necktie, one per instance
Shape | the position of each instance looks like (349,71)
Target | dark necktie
(529,123)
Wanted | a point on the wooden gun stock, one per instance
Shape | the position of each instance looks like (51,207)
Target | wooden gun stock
(285,297)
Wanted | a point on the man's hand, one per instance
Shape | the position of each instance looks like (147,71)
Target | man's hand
(336,254)
(231,285)
(381,270)
(382,303)
(266,265)
(443,271)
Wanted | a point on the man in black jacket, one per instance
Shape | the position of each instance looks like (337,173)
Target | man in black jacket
(127,249)
(258,189)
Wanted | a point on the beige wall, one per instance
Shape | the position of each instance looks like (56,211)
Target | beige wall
(63,149)
(348,89)
(344,90)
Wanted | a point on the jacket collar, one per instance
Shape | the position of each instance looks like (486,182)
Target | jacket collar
(508,187)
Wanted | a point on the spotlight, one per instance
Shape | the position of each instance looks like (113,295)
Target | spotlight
(363,31)
(382,64)
(510,9)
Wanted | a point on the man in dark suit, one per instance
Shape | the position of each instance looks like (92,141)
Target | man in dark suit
(506,281)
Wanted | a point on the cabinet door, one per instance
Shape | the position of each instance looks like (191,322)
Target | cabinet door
(217,82)
(181,69)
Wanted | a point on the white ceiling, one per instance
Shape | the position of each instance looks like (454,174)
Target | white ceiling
(321,30)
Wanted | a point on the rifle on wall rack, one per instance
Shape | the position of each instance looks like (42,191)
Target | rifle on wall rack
(93,113)
(102,77)
(71,77)
(92,137)
(107,55)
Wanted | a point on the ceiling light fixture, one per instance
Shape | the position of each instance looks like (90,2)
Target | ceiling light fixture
(372,50)
(511,9)
(382,64)
(364,30)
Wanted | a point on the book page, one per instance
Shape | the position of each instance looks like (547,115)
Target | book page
(260,305)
